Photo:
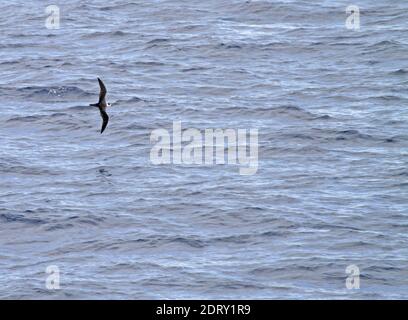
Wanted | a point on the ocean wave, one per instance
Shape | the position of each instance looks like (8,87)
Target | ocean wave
(9,218)
(53,92)
(108,34)
(399,72)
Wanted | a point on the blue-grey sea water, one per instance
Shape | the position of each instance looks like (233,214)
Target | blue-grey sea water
(331,190)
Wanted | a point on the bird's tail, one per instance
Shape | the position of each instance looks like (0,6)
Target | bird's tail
(94,105)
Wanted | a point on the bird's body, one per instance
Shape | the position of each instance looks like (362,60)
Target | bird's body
(102,105)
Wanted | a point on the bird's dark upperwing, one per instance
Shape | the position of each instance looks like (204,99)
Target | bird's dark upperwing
(105,119)
(102,93)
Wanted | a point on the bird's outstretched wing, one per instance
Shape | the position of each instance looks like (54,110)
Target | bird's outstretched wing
(105,119)
(102,93)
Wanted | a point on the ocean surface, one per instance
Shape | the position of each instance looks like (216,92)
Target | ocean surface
(331,190)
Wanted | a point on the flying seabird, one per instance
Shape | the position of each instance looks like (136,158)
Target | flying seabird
(102,105)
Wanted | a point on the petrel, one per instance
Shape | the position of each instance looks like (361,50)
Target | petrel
(102,105)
